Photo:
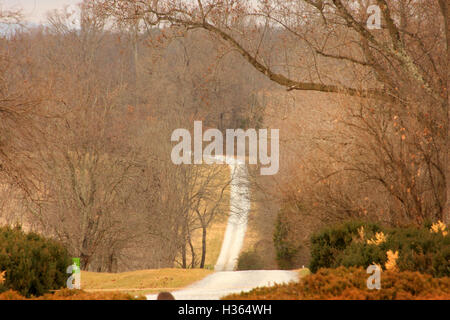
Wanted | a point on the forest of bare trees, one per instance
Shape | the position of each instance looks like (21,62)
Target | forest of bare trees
(87,116)
(88,103)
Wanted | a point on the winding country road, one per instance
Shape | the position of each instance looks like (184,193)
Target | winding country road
(237,221)
(226,281)
(220,284)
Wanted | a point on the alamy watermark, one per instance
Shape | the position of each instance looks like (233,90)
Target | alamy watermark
(74,281)
(374,281)
(214,152)
(374,19)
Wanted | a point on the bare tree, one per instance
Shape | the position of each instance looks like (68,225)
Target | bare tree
(19,103)
(403,63)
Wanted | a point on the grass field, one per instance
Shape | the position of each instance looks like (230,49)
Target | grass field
(141,281)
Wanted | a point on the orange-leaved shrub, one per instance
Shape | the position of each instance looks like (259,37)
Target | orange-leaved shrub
(68,294)
(351,284)
(2,281)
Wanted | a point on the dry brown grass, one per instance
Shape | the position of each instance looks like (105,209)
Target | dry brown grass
(67,294)
(142,281)
(350,284)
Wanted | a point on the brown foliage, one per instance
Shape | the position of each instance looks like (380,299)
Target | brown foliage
(350,284)
(394,144)
(67,294)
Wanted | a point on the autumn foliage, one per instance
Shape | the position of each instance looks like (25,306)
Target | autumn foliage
(357,244)
(350,284)
(67,294)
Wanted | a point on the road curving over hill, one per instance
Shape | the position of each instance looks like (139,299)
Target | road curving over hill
(226,281)
(237,221)
(220,284)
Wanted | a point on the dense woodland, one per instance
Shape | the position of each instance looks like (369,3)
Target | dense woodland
(88,103)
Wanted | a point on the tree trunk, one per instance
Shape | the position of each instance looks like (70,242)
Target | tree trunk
(112,263)
(85,260)
(85,256)
(191,246)
(202,263)
(183,256)
(446,214)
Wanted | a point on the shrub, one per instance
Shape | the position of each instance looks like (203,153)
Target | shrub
(328,244)
(418,248)
(286,250)
(34,265)
(421,250)
(350,283)
(360,254)
(250,260)
(67,294)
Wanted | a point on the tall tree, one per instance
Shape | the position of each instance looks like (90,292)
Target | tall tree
(405,62)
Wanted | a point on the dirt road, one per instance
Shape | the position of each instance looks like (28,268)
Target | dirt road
(226,281)
(219,284)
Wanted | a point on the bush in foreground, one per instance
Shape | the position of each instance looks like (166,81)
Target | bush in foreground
(32,264)
(350,284)
(67,294)
(362,244)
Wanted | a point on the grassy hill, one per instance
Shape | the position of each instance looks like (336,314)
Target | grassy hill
(141,281)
